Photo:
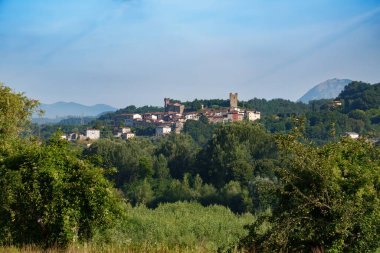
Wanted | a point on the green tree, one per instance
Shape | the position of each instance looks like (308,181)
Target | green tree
(15,112)
(132,159)
(231,153)
(180,152)
(50,196)
(201,130)
(328,199)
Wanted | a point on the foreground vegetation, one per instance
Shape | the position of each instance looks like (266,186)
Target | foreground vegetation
(243,189)
(179,225)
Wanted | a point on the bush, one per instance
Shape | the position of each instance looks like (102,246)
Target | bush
(50,196)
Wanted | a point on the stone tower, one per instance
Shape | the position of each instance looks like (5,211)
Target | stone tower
(166,103)
(233,100)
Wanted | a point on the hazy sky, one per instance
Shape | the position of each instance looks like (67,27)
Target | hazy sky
(140,51)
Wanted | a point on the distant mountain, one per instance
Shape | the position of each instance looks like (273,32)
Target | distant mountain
(65,109)
(328,89)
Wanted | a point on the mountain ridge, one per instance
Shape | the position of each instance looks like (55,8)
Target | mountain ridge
(63,109)
(328,89)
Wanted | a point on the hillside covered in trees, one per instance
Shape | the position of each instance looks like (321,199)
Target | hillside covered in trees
(323,120)
(237,186)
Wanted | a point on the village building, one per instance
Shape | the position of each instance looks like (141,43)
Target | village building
(72,136)
(232,114)
(217,119)
(173,107)
(150,117)
(174,117)
(125,130)
(120,132)
(163,130)
(252,115)
(192,116)
(337,103)
(352,135)
(75,136)
(128,135)
(93,134)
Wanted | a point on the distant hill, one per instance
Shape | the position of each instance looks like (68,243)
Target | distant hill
(65,109)
(328,89)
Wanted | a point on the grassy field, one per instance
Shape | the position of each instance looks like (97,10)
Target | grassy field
(176,227)
(109,249)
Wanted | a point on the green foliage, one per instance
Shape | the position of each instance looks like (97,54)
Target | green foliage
(50,196)
(232,152)
(322,197)
(328,199)
(320,124)
(278,106)
(132,159)
(145,130)
(180,152)
(45,131)
(15,111)
(208,103)
(200,130)
(359,95)
(189,189)
(235,197)
(183,225)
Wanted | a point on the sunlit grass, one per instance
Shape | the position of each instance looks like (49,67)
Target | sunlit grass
(86,248)
(176,227)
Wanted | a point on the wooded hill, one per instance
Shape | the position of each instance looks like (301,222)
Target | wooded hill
(296,196)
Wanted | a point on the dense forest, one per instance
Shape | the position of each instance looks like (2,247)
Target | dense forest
(287,183)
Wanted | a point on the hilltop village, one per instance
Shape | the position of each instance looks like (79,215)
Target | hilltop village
(172,119)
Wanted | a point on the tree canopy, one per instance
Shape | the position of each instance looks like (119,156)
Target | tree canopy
(49,194)
(15,112)
(328,199)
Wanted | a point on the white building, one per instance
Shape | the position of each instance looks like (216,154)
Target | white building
(93,134)
(149,116)
(192,116)
(163,130)
(252,115)
(125,130)
(136,116)
(352,135)
(75,136)
(129,135)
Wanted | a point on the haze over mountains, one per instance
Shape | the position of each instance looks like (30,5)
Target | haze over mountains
(64,109)
(325,90)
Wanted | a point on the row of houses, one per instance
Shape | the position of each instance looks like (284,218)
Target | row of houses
(94,134)
(91,134)
(174,116)
(124,133)
(172,119)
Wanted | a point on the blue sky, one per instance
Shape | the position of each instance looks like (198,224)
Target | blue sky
(123,52)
